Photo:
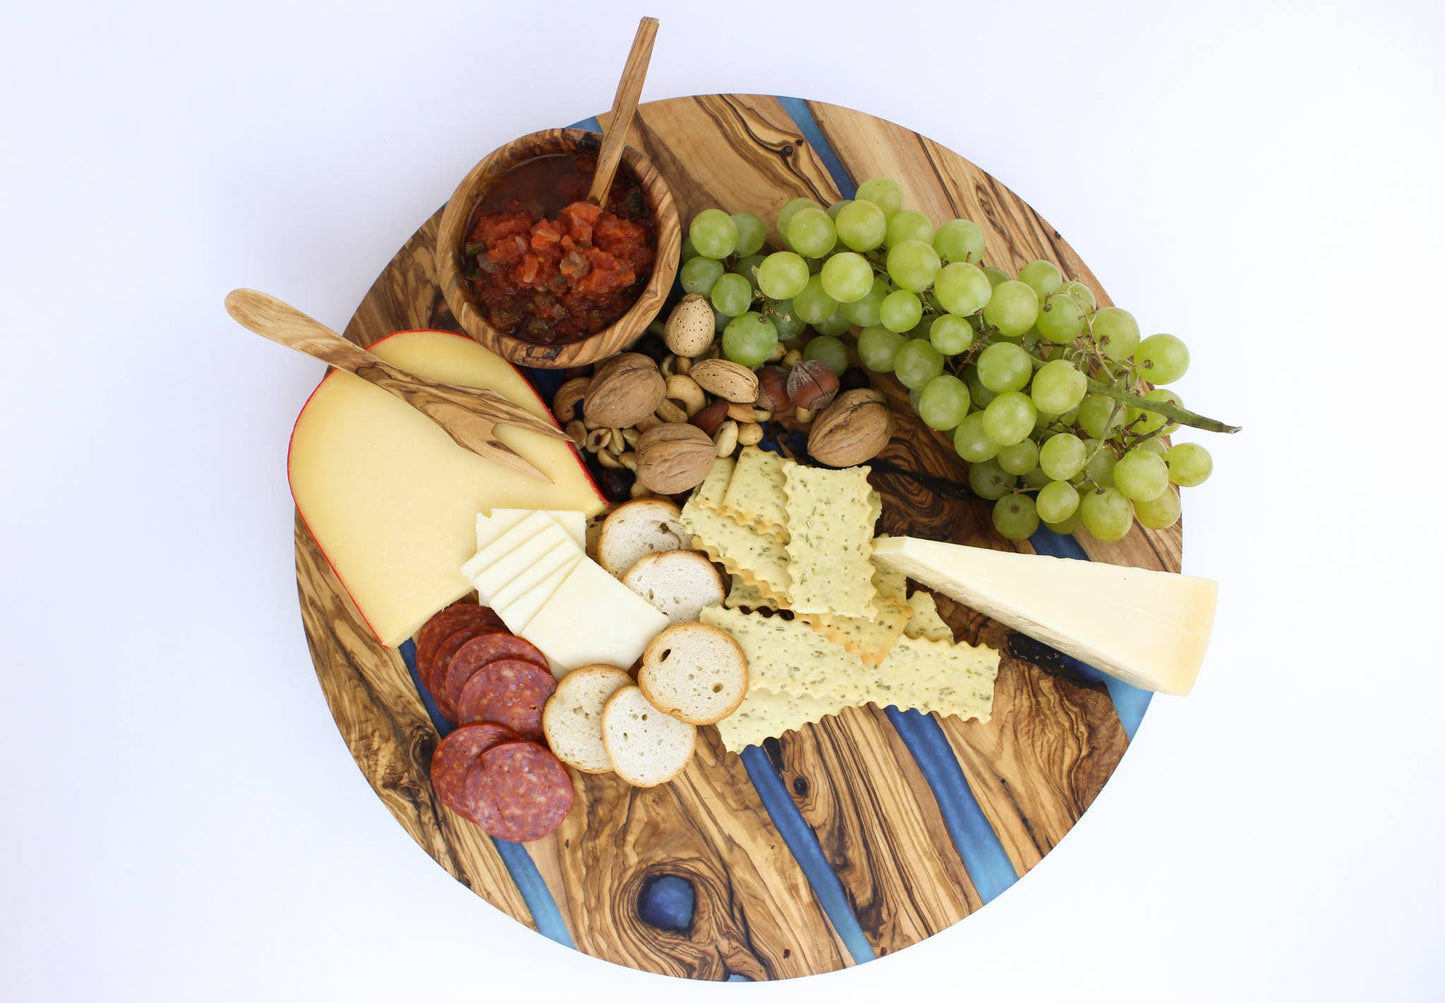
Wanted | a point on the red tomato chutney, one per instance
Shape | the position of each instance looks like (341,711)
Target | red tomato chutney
(546,266)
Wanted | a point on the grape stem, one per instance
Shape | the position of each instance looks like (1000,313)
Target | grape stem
(1173,412)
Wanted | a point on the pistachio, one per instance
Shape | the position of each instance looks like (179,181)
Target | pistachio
(750,434)
(711,417)
(726,439)
(564,404)
(674,457)
(625,389)
(773,389)
(853,429)
(726,379)
(690,327)
(812,384)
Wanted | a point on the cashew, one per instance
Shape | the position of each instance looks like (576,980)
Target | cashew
(628,460)
(804,416)
(750,434)
(671,413)
(569,395)
(577,431)
(685,391)
(631,435)
(762,415)
(726,438)
(792,359)
(682,366)
(609,460)
(740,412)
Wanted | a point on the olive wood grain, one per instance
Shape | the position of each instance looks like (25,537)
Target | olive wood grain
(624,105)
(467,414)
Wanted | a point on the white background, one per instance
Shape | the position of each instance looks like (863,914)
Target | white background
(180,819)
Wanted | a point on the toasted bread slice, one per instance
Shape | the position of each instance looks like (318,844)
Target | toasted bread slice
(694,672)
(572,717)
(638,527)
(647,746)
(677,582)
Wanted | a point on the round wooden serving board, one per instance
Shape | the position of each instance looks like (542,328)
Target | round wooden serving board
(854,837)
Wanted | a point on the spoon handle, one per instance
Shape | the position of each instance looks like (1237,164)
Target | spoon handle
(284,324)
(629,89)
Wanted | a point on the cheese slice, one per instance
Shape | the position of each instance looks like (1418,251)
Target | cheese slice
(516,612)
(499,576)
(506,543)
(593,618)
(489,527)
(392,501)
(1148,628)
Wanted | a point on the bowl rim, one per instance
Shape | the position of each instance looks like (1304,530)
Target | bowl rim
(616,337)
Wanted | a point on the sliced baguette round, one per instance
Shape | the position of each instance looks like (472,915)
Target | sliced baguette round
(647,746)
(572,716)
(641,526)
(676,582)
(695,672)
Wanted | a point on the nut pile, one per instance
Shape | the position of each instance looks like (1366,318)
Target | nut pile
(666,420)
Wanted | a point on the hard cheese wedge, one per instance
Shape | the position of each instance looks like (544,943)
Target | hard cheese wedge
(592,617)
(392,501)
(1149,628)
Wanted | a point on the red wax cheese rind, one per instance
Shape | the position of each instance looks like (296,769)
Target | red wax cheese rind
(510,692)
(441,661)
(520,791)
(455,755)
(471,656)
(445,623)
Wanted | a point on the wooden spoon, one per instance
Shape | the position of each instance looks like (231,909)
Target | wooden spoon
(469,415)
(624,105)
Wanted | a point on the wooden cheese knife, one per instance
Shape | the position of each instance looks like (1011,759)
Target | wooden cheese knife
(467,414)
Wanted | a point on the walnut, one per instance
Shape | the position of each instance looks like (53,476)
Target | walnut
(674,457)
(854,428)
(625,390)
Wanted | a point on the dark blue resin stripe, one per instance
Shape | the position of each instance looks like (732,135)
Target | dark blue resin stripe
(590,124)
(803,842)
(802,117)
(515,858)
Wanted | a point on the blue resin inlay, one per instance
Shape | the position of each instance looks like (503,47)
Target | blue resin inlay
(802,117)
(518,862)
(667,901)
(803,842)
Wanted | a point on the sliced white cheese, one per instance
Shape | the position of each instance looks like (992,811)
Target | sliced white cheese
(518,612)
(593,618)
(489,527)
(563,553)
(1149,628)
(505,543)
(511,564)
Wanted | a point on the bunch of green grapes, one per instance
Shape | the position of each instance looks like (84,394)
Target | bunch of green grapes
(1058,405)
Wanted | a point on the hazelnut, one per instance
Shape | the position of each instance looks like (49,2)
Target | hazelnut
(773,389)
(812,384)
(674,457)
(625,389)
(711,417)
(690,327)
(854,428)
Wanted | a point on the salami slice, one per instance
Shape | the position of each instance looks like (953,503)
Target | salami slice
(455,755)
(445,623)
(470,657)
(520,790)
(508,691)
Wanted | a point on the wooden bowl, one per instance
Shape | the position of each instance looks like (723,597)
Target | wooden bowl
(452,234)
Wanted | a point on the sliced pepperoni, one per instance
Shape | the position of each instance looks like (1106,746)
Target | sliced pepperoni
(454,756)
(508,691)
(470,657)
(520,790)
(445,623)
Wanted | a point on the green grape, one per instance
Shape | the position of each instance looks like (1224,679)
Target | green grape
(1021,458)
(1153,444)
(1004,366)
(813,304)
(1116,332)
(713,234)
(861,225)
(827,349)
(1036,478)
(916,363)
(943,402)
(810,232)
(720,320)
(789,208)
(971,442)
(1140,475)
(908,224)
(900,310)
(1009,418)
(912,265)
(865,312)
(962,288)
(1043,277)
(698,274)
(748,268)
(1061,319)
(1161,358)
(1158,513)
(688,252)
(1058,386)
(785,319)
(1189,464)
(749,339)
(877,347)
(1062,456)
(950,334)
(1100,466)
(732,294)
(782,275)
(995,275)
(882,192)
(752,234)
(847,276)
(1099,416)
(959,240)
(1146,422)
(1107,514)
(1015,517)
(1057,501)
(1012,309)
(835,325)
(913,398)
(988,480)
(981,394)
(1081,294)
(834,208)
(1068,526)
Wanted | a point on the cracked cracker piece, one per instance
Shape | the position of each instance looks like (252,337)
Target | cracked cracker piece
(831,515)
